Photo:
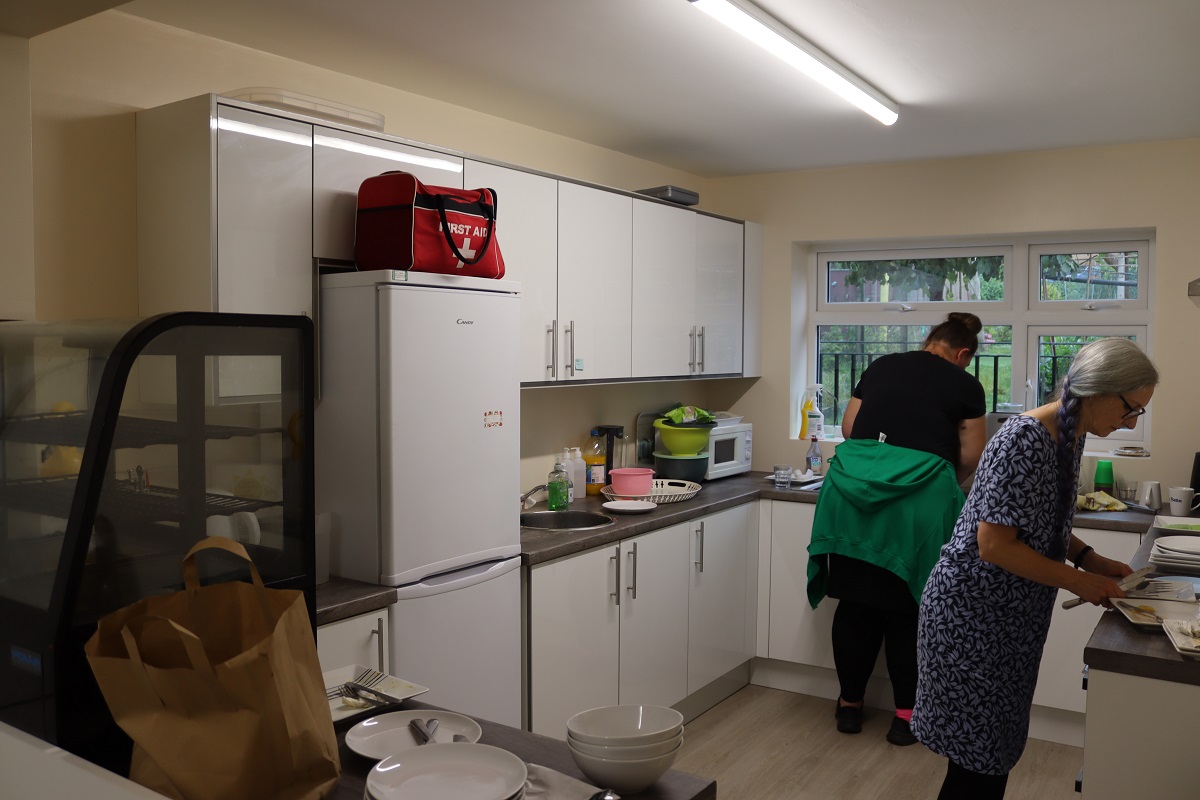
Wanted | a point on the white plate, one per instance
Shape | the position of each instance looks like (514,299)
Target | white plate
(1168,565)
(1167,609)
(630,506)
(389,734)
(1189,545)
(1177,555)
(1186,645)
(395,687)
(460,771)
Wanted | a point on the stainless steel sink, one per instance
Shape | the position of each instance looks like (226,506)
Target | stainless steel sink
(564,520)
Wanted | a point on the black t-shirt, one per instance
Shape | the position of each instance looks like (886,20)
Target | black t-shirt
(918,399)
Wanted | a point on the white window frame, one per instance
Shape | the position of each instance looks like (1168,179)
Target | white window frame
(1020,309)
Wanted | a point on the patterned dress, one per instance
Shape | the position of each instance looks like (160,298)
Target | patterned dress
(982,628)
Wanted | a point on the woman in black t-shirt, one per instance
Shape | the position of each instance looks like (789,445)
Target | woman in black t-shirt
(923,400)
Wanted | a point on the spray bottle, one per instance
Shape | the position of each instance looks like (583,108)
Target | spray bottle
(812,421)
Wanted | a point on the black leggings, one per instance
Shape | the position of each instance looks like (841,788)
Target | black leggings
(859,630)
(963,784)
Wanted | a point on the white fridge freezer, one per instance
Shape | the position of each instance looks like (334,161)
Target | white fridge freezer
(417,453)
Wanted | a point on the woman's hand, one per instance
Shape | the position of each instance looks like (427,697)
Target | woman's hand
(1098,590)
(1099,565)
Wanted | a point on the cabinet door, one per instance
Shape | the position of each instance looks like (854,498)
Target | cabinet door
(721,597)
(342,161)
(595,233)
(1060,678)
(654,617)
(574,638)
(264,214)
(797,633)
(527,232)
(357,640)
(664,290)
(719,254)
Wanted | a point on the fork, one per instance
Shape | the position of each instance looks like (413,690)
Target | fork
(369,678)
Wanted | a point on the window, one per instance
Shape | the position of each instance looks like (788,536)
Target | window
(1039,300)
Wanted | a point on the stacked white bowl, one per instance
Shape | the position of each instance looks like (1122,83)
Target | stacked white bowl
(625,748)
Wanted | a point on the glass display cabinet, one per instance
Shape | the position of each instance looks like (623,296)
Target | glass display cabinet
(117,454)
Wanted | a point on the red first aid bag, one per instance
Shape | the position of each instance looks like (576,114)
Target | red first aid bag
(403,224)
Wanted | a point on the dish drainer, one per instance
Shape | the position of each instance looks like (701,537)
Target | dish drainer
(664,490)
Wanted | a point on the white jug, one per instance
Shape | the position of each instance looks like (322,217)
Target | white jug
(1150,495)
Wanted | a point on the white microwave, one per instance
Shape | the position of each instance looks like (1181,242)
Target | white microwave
(729,448)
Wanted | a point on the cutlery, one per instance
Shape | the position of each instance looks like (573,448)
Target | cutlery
(432,725)
(367,693)
(1128,582)
(1130,607)
(458,737)
(424,735)
(367,678)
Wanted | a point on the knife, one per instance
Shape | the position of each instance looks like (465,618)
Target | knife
(1128,582)
(371,695)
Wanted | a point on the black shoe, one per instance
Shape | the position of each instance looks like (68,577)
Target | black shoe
(900,733)
(849,718)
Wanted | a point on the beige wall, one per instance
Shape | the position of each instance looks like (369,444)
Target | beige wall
(89,78)
(16,167)
(1150,185)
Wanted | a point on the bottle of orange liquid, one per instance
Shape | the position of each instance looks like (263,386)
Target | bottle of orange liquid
(594,456)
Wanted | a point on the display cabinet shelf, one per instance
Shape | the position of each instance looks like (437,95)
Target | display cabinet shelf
(70,429)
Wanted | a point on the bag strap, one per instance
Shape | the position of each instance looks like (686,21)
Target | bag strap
(191,644)
(191,576)
(489,211)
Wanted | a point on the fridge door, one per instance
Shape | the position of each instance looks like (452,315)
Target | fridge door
(460,635)
(450,429)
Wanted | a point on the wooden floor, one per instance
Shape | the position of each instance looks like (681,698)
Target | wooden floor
(767,744)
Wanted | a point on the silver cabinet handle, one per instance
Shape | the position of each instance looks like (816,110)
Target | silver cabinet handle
(633,573)
(553,365)
(699,562)
(700,339)
(571,349)
(692,349)
(615,594)
(378,632)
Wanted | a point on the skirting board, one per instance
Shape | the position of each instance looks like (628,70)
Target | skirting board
(705,698)
(1048,724)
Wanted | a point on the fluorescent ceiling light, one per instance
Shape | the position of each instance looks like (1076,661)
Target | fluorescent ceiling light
(391,155)
(775,37)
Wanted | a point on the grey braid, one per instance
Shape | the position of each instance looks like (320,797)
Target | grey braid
(1068,420)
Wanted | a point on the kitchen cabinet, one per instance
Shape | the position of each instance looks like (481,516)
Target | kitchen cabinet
(1060,679)
(721,593)
(609,626)
(687,299)
(798,633)
(595,283)
(341,161)
(362,639)
(527,231)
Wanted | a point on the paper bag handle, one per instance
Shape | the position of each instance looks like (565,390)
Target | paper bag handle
(191,643)
(191,577)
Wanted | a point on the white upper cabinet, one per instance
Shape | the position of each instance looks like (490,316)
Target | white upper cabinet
(719,257)
(595,282)
(342,161)
(527,232)
(664,290)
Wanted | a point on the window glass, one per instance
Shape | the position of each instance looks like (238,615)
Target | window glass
(1088,275)
(1055,352)
(916,280)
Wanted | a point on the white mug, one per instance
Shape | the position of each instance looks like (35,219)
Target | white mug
(1183,501)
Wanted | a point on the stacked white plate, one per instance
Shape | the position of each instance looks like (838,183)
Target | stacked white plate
(625,748)
(453,771)
(1177,554)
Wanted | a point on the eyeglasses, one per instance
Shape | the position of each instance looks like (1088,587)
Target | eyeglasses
(1130,411)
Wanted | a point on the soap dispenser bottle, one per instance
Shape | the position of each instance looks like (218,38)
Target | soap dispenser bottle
(568,464)
(558,488)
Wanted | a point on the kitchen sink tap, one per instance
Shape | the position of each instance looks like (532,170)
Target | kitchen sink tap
(525,497)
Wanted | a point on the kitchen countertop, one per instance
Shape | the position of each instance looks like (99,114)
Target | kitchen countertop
(532,748)
(1117,646)
(342,598)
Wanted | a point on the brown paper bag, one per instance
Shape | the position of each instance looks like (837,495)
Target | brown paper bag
(220,689)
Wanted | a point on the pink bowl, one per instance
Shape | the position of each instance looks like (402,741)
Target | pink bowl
(632,481)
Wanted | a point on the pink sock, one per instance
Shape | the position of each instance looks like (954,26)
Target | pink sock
(904,714)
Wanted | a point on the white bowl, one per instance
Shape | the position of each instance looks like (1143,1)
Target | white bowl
(626,777)
(629,752)
(625,725)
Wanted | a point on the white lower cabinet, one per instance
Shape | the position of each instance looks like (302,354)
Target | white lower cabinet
(1060,679)
(798,633)
(637,622)
(721,594)
(355,640)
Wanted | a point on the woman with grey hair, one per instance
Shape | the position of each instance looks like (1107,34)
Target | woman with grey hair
(986,607)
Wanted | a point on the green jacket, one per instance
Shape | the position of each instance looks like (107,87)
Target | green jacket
(891,506)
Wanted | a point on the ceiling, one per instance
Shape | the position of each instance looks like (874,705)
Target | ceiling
(660,80)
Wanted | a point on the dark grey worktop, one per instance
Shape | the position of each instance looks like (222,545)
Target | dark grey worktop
(1117,646)
(341,598)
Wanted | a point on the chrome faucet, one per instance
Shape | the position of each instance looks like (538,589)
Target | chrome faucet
(531,492)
